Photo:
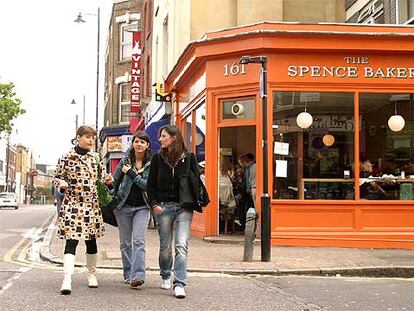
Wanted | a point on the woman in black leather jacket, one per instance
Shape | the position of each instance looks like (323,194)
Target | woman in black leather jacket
(167,165)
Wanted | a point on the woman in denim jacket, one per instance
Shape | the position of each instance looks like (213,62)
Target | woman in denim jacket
(132,211)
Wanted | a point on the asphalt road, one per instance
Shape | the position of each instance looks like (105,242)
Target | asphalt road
(30,284)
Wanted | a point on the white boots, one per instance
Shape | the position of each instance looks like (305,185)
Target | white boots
(91,265)
(68,267)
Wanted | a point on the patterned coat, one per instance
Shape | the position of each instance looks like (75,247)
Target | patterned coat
(80,217)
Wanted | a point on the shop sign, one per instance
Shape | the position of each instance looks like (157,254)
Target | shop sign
(114,143)
(117,143)
(160,95)
(353,67)
(136,72)
(335,123)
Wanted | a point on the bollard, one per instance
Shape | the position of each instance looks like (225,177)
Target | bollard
(250,234)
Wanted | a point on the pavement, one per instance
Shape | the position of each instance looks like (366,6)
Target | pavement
(225,255)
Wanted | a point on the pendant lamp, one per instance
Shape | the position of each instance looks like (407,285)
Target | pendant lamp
(304,119)
(328,140)
(396,122)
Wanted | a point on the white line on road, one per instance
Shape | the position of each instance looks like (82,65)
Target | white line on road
(13,279)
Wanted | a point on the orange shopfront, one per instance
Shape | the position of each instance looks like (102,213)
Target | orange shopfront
(344,180)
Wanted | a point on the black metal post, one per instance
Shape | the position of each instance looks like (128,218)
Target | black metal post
(97,84)
(265,220)
(265,199)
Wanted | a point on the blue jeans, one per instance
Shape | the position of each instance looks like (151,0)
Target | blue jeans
(165,222)
(132,225)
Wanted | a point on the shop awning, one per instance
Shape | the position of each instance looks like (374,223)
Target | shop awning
(115,130)
(155,111)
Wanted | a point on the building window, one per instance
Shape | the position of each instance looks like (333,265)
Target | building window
(165,46)
(1,166)
(201,132)
(238,109)
(125,40)
(313,163)
(386,156)
(372,13)
(405,11)
(124,102)
(318,162)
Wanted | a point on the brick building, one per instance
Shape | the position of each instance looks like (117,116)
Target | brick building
(125,18)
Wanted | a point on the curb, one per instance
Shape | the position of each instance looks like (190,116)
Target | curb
(45,253)
(384,271)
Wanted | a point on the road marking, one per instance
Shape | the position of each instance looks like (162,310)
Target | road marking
(23,252)
(33,233)
(13,279)
(8,256)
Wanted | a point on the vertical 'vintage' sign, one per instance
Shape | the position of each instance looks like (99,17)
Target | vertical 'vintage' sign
(136,72)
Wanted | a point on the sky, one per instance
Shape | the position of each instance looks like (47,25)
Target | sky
(52,60)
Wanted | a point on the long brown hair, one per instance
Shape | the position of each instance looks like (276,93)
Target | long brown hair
(177,146)
(225,167)
(143,136)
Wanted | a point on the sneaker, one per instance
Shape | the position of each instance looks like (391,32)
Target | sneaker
(127,281)
(179,292)
(136,284)
(166,284)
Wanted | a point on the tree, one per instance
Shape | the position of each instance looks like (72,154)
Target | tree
(9,107)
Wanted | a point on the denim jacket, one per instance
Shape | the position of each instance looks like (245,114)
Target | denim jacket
(123,182)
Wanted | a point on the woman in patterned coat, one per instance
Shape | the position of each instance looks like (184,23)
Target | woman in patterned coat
(80,217)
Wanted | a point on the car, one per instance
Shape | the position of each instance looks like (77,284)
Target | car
(8,199)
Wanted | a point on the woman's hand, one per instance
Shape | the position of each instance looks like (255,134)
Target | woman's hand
(157,210)
(108,180)
(63,185)
(125,168)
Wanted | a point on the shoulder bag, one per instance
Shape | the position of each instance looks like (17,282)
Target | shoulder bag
(107,202)
(192,192)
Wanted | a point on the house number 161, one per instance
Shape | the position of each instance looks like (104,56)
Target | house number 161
(234,69)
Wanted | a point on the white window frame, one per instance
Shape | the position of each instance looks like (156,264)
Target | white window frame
(123,43)
(405,6)
(371,12)
(121,103)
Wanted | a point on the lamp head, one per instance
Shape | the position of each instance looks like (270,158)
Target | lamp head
(73,102)
(244,60)
(252,59)
(79,19)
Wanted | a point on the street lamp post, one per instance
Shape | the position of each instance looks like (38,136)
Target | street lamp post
(80,19)
(76,116)
(73,102)
(265,198)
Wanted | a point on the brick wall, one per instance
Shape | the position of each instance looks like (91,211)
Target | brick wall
(114,66)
